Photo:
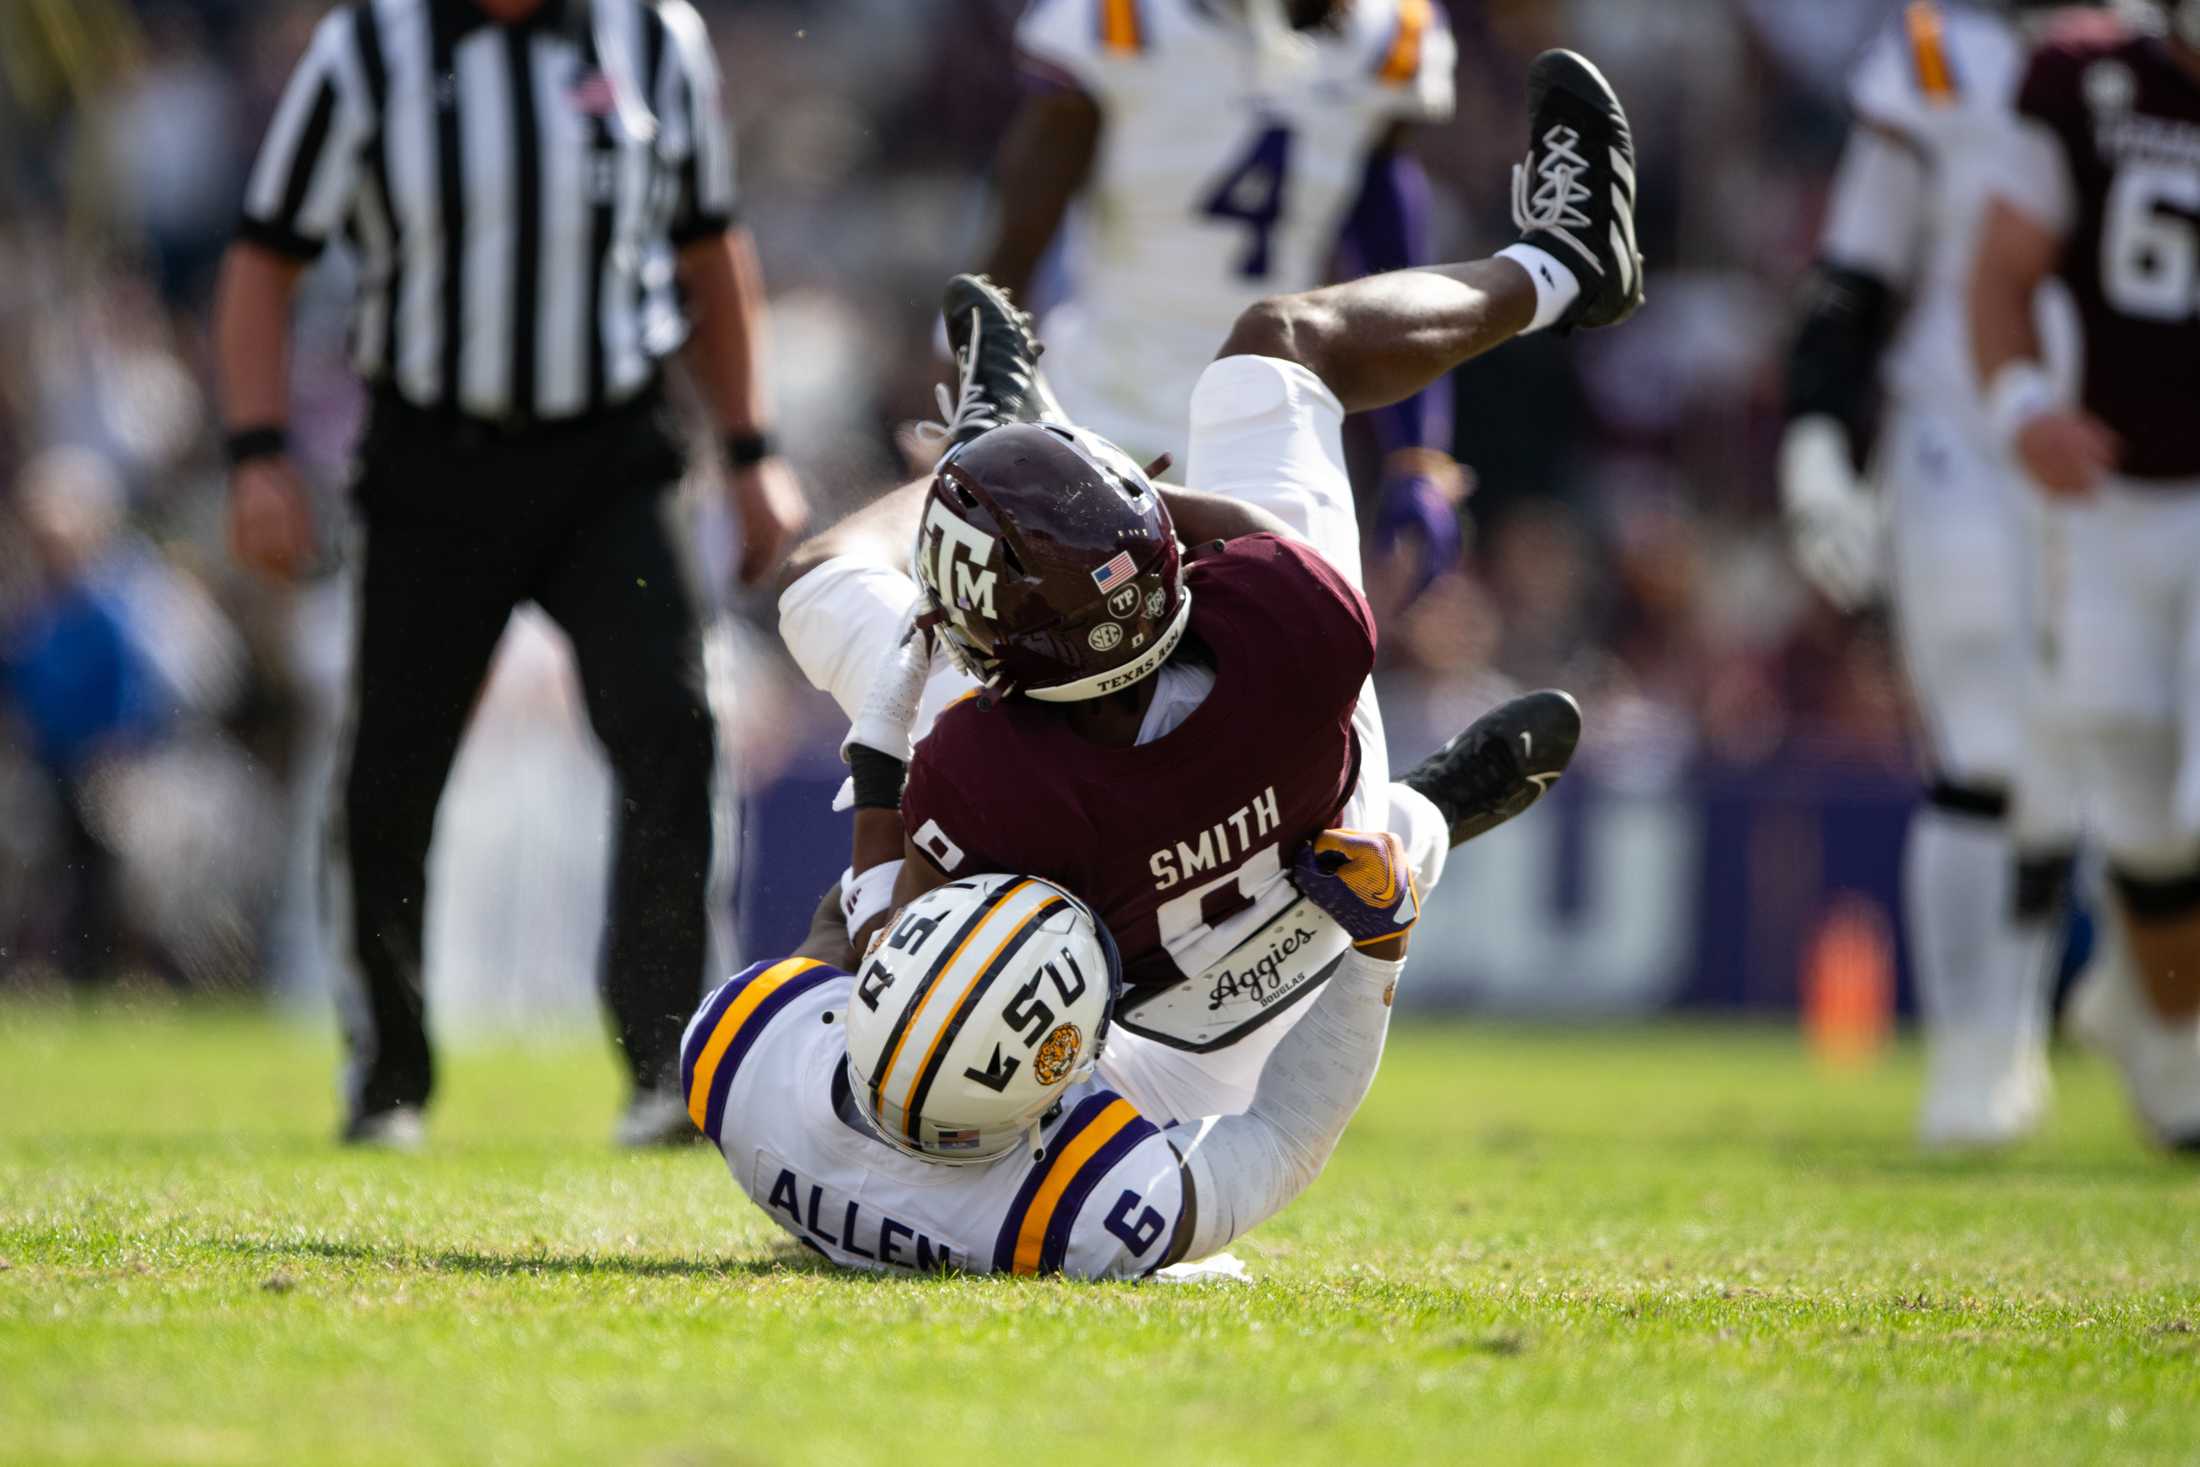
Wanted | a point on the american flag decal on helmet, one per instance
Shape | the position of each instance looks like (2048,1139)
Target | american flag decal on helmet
(1115,572)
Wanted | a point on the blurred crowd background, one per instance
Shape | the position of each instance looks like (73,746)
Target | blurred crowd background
(165,722)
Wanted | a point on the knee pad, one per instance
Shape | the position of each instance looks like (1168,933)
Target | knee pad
(2157,898)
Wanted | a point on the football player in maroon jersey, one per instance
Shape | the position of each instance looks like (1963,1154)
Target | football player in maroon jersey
(2103,190)
(1159,730)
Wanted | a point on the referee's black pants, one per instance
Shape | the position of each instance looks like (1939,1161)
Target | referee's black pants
(463,523)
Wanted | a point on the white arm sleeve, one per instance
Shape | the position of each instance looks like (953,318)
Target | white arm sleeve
(1875,223)
(1244,1169)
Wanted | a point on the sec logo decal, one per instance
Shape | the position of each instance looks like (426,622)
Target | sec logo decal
(1104,637)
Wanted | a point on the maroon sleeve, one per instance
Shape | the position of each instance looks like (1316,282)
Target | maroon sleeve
(942,819)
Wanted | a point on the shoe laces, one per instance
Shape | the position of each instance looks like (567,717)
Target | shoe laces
(1554,205)
(968,407)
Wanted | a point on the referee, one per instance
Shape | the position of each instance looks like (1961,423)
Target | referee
(540,194)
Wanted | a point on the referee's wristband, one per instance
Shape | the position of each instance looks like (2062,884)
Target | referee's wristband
(747,450)
(268,440)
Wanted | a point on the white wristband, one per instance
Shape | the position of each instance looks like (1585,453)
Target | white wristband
(2020,392)
(1556,286)
(864,897)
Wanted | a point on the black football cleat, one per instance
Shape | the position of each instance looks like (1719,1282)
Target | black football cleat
(1575,194)
(394,1128)
(997,354)
(1501,764)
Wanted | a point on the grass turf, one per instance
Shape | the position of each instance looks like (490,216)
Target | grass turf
(1649,1245)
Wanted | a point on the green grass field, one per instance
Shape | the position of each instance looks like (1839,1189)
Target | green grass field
(1534,1246)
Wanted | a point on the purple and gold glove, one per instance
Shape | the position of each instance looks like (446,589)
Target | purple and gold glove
(1361,878)
(1418,516)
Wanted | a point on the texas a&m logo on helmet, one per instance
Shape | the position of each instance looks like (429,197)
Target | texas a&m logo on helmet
(1051,564)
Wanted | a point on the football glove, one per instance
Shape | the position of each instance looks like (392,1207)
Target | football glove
(1835,523)
(1423,490)
(1361,878)
(889,708)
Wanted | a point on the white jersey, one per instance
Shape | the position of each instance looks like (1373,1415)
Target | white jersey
(1226,167)
(1942,81)
(763,1065)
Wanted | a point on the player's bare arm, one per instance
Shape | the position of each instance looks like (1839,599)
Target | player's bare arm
(1044,161)
(828,940)
(2067,450)
(725,289)
(270,525)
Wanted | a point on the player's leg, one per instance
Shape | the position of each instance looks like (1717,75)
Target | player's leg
(2046,811)
(623,592)
(1265,416)
(1959,576)
(2125,669)
(432,605)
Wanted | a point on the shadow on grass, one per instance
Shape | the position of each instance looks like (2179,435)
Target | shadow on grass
(785,1259)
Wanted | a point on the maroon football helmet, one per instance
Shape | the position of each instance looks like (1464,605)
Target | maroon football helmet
(1051,564)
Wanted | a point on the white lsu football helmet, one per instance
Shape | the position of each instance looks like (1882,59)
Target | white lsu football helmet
(972,1013)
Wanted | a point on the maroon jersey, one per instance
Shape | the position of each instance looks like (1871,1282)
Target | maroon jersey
(2128,118)
(1167,839)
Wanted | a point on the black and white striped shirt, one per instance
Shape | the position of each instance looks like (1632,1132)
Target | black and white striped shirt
(516,193)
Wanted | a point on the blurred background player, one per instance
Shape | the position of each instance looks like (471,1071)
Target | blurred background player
(2101,189)
(1943,533)
(1205,154)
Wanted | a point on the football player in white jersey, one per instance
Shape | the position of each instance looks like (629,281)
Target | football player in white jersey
(946,1105)
(1195,156)
(1933,101)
